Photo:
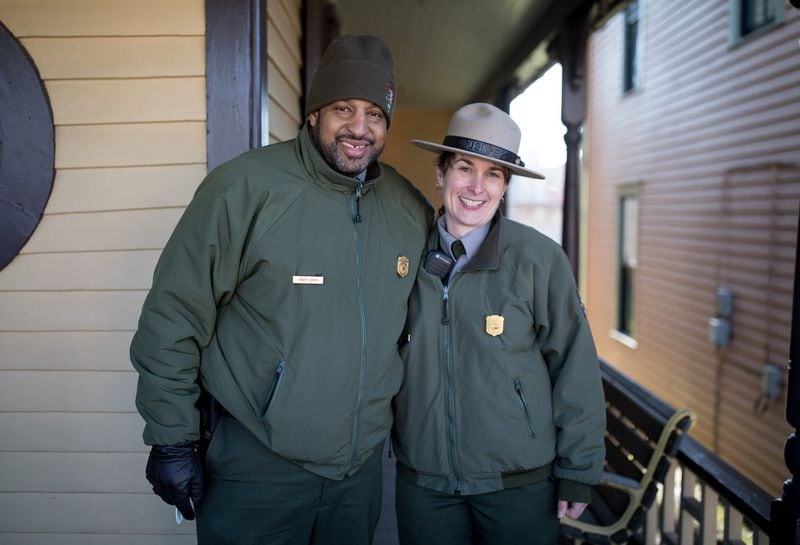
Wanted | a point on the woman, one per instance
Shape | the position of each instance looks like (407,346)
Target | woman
(499,423)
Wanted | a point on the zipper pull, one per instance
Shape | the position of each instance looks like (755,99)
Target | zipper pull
(357,216)
(445,318)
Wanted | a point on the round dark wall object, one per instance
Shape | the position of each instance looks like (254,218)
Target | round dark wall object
(27,147)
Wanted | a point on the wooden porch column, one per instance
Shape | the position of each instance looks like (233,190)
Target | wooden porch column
(570,50)
(785,511)
(236,78)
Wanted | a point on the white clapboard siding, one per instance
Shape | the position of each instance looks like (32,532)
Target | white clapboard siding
(284,16)
(284,62)
(89,472)
(281,123)
(126,82)
(140,57)
(99,539)
(96,270)
(91,146)
(126,229)
(66,350)
(70,310)
(127,101)
(282,94)
(71,432)
(84,513)
(103,17)
(68,391)
(124,188)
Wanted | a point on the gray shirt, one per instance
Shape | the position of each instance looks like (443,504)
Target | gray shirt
(471,241)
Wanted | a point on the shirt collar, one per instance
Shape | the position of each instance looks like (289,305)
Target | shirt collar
(472,241)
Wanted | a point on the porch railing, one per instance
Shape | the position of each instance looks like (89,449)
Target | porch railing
(704,500)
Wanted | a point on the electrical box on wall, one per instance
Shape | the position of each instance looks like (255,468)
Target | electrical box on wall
(719,332)
(724,301)
(719,327)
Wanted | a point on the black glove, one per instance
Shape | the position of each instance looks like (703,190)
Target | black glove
(176,474)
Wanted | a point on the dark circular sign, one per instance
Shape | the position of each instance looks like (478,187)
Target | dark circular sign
(27,147)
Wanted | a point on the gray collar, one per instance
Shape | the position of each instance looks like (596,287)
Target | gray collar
(472,242)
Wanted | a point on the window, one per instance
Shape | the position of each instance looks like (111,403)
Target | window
(631,60)
(749,16)
(628,257)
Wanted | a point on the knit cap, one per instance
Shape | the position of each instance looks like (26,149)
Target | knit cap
(355,67)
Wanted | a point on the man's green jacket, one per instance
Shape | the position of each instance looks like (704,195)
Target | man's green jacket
(283,291)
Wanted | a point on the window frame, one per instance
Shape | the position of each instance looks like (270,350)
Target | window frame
(625,277)
(737,9)
(631,46)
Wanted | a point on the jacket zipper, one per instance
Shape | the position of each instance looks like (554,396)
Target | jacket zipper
(451,427)
(357,202)
(445,317)
(276,383)
(524,402)
(363,319)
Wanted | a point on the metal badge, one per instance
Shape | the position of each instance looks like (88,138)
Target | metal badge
(494,325)
(403,265)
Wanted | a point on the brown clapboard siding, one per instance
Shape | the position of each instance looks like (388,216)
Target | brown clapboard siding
(712,135)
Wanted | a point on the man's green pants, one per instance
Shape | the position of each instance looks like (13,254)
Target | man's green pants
(254,497)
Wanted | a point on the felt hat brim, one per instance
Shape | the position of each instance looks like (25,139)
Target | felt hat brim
(514,168)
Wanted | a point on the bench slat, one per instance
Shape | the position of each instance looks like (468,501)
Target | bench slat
(622,430)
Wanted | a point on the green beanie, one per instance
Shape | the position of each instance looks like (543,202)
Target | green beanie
(355,67)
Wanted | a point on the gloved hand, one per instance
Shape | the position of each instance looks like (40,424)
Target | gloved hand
(176,474)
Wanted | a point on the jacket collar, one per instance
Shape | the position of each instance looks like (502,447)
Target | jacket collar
(488,255)
(321,172)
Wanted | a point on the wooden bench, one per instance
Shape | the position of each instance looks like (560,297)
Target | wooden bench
(641,442)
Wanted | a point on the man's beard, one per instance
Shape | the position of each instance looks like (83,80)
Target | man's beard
(340,163)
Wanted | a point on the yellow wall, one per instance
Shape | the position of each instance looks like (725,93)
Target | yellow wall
(284,62)
(415,163)
(126,82)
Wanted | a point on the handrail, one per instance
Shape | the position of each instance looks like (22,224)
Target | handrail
(731,486)
(750,500)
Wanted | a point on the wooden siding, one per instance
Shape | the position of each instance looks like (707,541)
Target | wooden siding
(284,63)
(127,87)
(712,133)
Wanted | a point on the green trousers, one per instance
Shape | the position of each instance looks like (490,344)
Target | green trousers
(254,497)
(524,515)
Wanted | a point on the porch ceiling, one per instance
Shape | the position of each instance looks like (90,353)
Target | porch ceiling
(451,52)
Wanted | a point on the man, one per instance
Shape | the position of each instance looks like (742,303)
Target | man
(282,293)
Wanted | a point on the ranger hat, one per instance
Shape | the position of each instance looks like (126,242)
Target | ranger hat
(484,131)
(355,67)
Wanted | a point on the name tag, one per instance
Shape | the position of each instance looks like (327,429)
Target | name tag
(308,280)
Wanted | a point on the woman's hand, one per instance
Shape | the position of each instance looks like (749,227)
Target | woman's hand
(571,509)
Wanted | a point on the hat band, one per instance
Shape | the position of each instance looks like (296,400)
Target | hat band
(483,148)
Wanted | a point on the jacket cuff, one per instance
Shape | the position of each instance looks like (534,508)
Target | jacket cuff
(573,491)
